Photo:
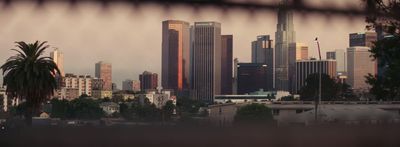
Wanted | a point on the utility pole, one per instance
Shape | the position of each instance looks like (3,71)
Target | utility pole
(320,81)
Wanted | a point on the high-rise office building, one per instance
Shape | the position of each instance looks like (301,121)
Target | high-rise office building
(58,58)
(263,52)
(226,63)
(340,57)
(304,68)
(260,49)
(206,61)
(103,71)
(175,55)
(148,81)
(284,35)
(362,39)
(251,77)
(359,64)
(297,51)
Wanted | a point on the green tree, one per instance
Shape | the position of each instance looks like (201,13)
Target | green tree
(385,19)
(147,112)
(168,110)
(30,76)
(187,105)
(61,109)
(346,93)
(310,91)
(253,114)
(84,108)
(125,111)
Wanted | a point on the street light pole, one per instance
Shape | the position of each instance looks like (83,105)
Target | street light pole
(320,81)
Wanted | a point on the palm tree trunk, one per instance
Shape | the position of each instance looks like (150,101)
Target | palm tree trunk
(28,115)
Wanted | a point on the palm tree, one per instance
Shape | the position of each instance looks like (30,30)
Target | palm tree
(30,76)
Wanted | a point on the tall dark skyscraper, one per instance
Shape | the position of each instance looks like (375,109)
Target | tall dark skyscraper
(251,77)
(175,55)
(262,51)
(226,63)
(284,35)
(206,61)
(148,81)
(259,49)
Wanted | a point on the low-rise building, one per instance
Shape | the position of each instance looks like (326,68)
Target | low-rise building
(75,86)
(102,94)
(257,96)
(98,89)
(109,108)
(302,113)
(159,98)
(3,97)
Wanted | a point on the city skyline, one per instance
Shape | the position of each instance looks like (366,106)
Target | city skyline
(83,46)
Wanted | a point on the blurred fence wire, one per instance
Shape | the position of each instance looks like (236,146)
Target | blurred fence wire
(302,6)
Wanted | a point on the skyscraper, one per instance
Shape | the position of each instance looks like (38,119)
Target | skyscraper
(297,51)
(260,48)
(103,71)
(58,58)
(359,64)
(148,81)
(251,77)
(226,64)
(206,61)
(362,39)
(284,35)
(175,55)
(263,52)
(304,68)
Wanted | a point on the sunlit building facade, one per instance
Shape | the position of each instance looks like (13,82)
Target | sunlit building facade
(340,57)
(175,55)
(360,64)
(76,85)
(297,51)
(58,58)
(103,71)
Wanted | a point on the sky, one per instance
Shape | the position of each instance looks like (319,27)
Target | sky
(130,38)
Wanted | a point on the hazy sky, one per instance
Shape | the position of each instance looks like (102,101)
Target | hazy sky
(130,38)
